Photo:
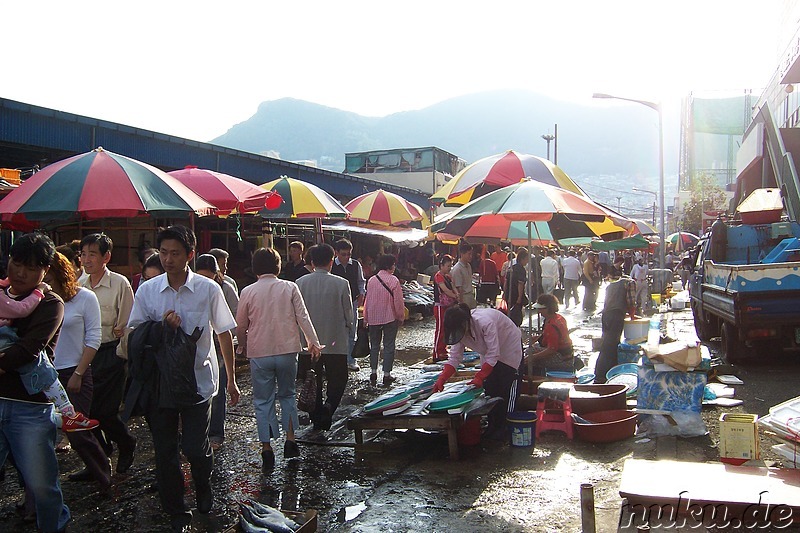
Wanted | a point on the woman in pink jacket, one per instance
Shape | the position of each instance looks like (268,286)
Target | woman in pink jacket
(270,311)
(384,311)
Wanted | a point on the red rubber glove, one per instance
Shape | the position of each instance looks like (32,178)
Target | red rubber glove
(447,373)
(482,374)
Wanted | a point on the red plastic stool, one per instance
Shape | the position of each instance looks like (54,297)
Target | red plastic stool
(554,409)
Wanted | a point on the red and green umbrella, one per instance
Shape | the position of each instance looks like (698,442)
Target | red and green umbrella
(99,184)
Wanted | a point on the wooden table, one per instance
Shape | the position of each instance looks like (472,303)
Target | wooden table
(436,421)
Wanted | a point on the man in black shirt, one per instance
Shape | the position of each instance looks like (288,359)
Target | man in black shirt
(295,267)
(348,268)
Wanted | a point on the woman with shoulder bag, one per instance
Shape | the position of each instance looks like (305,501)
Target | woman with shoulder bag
(384,311)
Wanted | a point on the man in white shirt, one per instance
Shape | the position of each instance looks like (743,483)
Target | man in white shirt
(572,277)
(184,299)
(549,267)
(639,274)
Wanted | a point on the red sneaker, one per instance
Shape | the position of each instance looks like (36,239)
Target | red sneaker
(78,423)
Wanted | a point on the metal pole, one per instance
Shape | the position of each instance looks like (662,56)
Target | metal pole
(587,508)
(555,145)
(661,231)
(530,274)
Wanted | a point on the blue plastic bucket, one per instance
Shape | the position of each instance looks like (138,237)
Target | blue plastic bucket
(523,428)
(628,353)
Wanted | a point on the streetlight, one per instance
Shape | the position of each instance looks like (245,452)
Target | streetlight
(548,137)
(655,200)
(656,107)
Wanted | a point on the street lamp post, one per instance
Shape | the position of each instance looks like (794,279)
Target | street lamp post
(548,137)
(657,108)
(655,200)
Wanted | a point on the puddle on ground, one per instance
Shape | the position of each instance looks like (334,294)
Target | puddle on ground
(351,512)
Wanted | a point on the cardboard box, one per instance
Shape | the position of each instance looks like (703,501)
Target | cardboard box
(680,355)
(738,438)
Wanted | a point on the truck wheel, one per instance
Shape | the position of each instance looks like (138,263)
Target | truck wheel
(705,330)
(732,347)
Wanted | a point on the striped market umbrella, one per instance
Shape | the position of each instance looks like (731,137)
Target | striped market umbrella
(230,195)
(385,209)
(299,199)
(555,215)
(548,213)
(98,184)
(500,170)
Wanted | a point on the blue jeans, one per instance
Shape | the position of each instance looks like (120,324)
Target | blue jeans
(389,334)
(37,375)
(27,431)
(268,374)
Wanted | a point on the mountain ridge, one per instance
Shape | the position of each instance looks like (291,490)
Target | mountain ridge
(592,140)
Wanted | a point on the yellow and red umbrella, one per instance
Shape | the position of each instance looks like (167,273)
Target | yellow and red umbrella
(386,209)
(500,170)
(299,199)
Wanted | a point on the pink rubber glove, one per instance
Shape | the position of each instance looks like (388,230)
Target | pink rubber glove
(482,374)
(447,373)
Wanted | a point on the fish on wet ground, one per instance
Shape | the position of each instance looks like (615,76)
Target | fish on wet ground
(258,518)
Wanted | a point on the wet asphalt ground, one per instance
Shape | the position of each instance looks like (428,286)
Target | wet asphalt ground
(406,482)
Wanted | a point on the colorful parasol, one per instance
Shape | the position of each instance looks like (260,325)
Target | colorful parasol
(684,238)
(644,227)
(556,215)
(496,171)
(386,209)
(300,199)
(98,184)
(230,195)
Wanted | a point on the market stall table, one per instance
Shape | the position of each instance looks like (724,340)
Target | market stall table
(434,421)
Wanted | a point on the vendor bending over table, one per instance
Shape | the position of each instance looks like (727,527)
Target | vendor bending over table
(499,342)
(553,348)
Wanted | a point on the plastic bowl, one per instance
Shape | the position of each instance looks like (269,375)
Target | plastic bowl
(607,426)
(609,397)
(560,374)
(624,368)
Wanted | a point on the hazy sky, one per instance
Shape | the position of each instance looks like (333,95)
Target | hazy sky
(194,69)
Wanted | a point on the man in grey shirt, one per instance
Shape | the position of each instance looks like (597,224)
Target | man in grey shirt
(462,276)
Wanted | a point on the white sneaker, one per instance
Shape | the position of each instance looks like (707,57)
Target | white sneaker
(353,367)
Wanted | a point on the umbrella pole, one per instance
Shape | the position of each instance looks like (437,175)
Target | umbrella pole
(318,229)
(530,281)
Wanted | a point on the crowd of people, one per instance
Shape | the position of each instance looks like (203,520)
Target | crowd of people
(164,346)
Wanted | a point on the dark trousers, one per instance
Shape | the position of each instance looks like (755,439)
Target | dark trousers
(333,369)
(193,441)
(84,442)
(502,382)
(613,322)
(219,403)
(590,296)
(108,372)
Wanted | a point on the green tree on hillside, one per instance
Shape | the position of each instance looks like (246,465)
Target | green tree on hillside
(707,195)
